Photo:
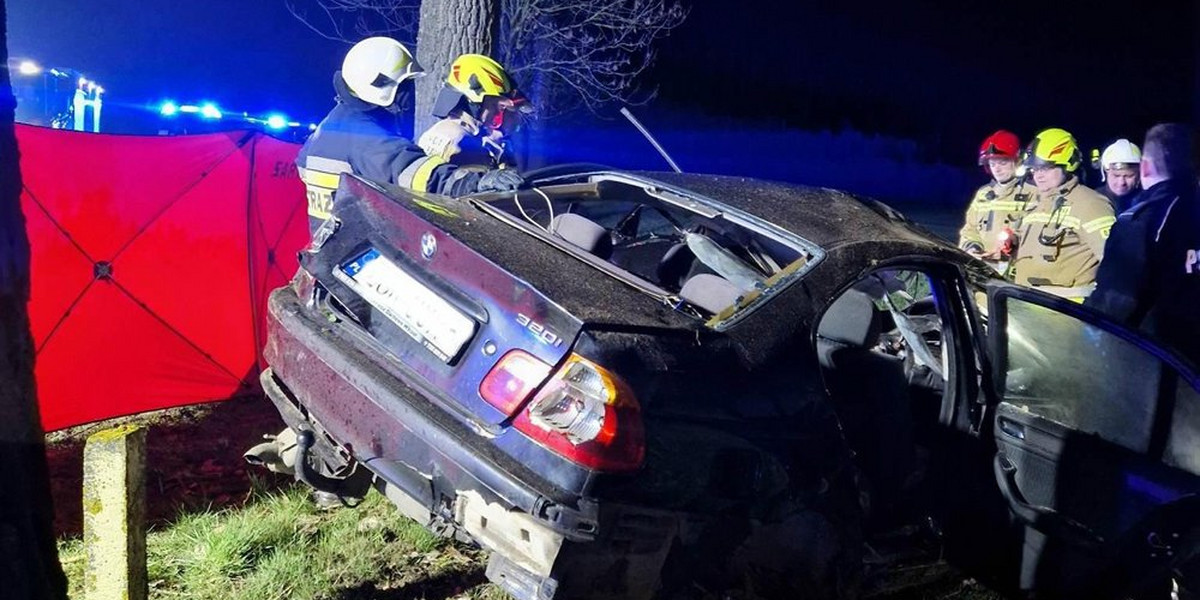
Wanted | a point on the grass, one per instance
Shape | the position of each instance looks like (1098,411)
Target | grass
(278,545)
(281,546)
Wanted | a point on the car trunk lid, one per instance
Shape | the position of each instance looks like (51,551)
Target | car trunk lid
(398,266)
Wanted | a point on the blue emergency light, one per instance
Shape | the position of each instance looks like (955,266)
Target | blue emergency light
(210,111)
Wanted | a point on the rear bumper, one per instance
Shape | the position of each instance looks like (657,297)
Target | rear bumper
(528,544)
(543,540)
(393,428)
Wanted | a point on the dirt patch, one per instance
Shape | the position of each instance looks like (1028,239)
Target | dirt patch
(194,459)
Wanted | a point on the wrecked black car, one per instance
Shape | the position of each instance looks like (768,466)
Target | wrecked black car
(626,385)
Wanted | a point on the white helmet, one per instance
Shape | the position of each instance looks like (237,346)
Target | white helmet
(374,68)
(1121,151)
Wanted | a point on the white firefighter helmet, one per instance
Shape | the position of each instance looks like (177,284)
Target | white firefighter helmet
(375,67)
(1120,152)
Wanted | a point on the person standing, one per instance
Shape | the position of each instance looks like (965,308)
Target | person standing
(998,205)
(360,135)
(1060,242)
(1151,278)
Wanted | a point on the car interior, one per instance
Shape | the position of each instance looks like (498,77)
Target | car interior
(881,352)
(704,258)
(1075,441)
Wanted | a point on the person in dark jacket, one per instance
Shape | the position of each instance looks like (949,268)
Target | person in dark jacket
(360,135)
(1150,277)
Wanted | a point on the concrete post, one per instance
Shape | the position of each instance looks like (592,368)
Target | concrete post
(114,514)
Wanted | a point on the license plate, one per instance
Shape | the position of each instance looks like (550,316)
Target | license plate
(422,314)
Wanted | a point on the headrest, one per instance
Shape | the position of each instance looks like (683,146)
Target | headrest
(674,265)
(851,320)
(710,292)
(584,233)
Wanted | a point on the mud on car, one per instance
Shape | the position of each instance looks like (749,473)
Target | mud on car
(624,385)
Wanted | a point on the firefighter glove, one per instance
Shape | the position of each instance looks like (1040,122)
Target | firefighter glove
(500,180)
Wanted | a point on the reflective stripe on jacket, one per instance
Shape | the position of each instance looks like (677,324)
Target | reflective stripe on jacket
(993,207)
(320,176)
(1061,239)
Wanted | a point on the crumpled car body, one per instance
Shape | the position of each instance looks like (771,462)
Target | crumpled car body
(624,385)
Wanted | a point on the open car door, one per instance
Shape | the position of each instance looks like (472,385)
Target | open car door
(1097,436)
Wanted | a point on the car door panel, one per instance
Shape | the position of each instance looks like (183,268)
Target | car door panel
(1182,449)
(1096,432)
(1106,487)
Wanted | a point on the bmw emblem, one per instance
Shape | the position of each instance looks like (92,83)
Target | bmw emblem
(428,245)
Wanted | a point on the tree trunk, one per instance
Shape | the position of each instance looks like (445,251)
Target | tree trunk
(447,29)
(29,565)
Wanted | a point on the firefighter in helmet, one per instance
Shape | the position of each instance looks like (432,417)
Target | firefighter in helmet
(361,135)
(1061,237)
(1119,166)
(997,206)
(478,109)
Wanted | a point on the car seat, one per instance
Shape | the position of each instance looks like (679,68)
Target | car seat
(870,392)
(584,233)
(710,292)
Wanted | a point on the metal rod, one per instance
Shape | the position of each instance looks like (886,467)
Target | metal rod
(650,138)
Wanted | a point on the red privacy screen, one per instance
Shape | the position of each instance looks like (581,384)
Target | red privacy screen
(152,259)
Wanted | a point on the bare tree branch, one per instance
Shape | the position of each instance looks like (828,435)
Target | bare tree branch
(352,20)
(566,54)
(584,53)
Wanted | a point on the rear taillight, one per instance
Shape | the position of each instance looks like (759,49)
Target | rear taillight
(589,416)
(510,382)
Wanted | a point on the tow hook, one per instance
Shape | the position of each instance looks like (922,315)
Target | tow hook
(349,487)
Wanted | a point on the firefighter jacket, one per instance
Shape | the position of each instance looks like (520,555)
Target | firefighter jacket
(994,207)
(1060,241)
(1150,278)
(362,138)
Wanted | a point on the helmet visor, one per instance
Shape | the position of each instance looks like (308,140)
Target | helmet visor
(993,151)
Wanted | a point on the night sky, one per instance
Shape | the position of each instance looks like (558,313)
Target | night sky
(249,55)
(943,73)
